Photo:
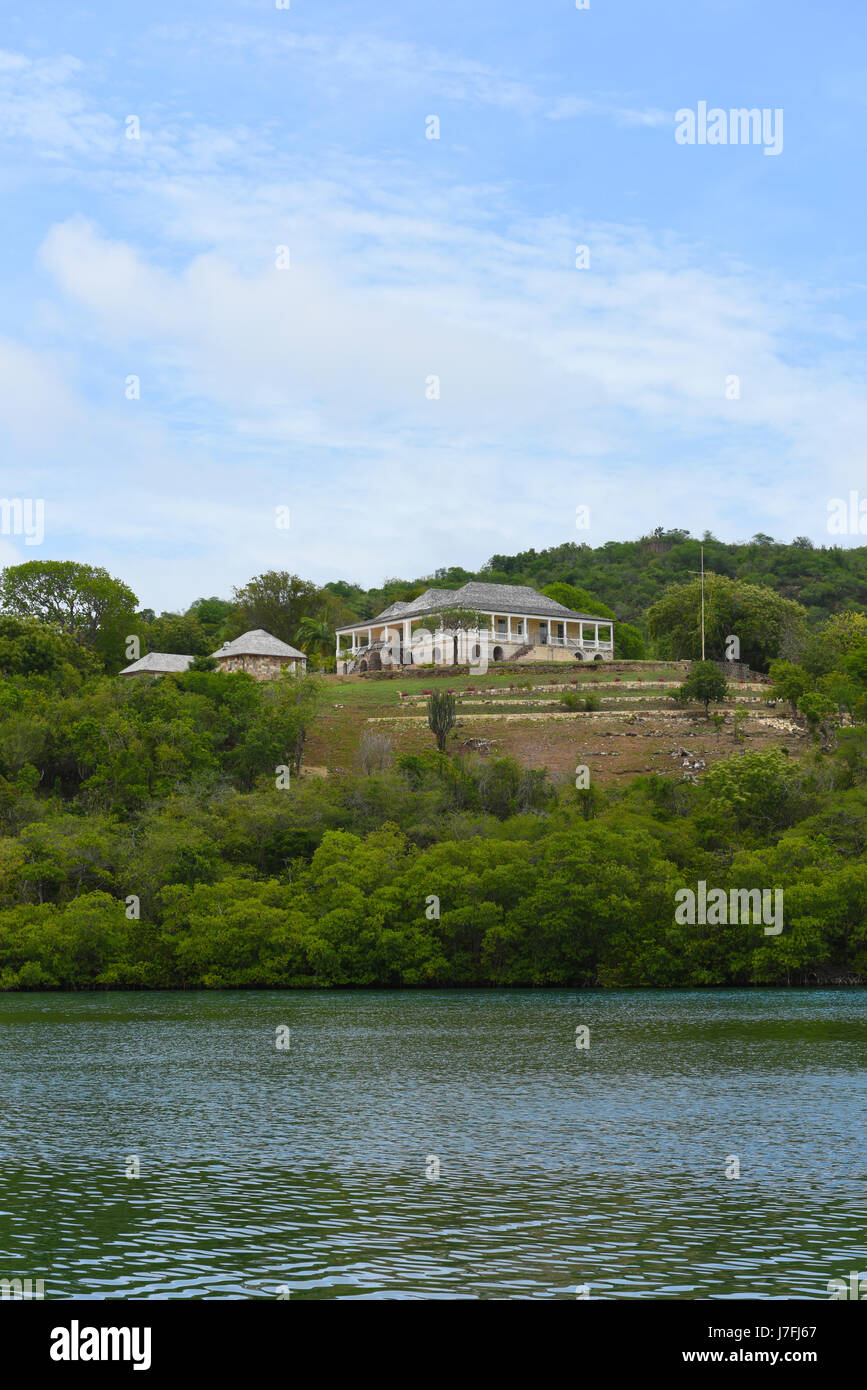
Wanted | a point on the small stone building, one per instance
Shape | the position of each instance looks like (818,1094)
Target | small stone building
(259,654)
(158,664)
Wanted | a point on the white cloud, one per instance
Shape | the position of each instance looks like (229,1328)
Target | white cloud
(560,387)
(332,60)
(43,106)
(570,107)
(37,410)
(348,337)
(317,375)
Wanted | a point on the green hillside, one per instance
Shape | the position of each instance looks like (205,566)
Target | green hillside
(629,576)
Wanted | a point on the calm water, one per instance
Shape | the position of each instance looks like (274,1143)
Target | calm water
(305,1168)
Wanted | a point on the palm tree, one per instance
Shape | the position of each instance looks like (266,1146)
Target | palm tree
(316,636)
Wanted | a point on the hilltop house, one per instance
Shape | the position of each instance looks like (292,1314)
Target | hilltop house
(516,624)
(264,657)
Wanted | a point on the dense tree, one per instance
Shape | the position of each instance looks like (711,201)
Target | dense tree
(790,682)
(758,791)
(211,614)
(276,601)
(759,618)
(854,662)
(826,648)
(203,663)
(577,599)
(275,736)
(176,632)
(704,683)
(320,886)
(628,643)
(145,841)
(29,648)
(629,576)
(81,600)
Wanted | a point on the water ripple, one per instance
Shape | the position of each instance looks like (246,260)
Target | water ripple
(306,1173)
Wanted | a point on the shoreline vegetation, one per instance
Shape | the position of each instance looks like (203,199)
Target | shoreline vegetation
(168,834)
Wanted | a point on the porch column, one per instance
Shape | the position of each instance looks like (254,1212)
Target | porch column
(509,626)
(596,634)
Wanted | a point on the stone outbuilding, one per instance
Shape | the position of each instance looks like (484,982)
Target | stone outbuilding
(259,654)
(158,664)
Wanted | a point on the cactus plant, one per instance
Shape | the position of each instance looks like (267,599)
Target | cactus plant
(441,716)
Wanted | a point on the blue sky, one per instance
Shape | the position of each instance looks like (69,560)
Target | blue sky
(306,387)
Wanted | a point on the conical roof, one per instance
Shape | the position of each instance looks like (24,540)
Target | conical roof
(158,664)
(258,642)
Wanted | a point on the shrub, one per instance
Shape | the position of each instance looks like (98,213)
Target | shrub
(374,752)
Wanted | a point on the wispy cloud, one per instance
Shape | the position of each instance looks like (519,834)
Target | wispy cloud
(571,108)
(365,59)
(43,106)
(306,387)
(580,370)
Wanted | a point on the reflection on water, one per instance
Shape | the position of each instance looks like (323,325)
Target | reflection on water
(305,1169)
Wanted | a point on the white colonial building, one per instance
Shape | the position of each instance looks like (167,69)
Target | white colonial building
(515,623)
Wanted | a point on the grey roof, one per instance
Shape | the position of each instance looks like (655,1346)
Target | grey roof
(487,598)
(258,643)
(428,602)
(158,663)
(395,608)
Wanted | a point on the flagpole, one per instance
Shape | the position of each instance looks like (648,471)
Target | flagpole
(702,603)
(701,572)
